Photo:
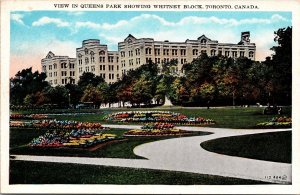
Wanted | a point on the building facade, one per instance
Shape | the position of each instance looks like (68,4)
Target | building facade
(132,53)
(95,57)
(60,70)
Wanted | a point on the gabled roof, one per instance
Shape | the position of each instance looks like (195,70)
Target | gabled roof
(130,37)
(50,55)
(203,37)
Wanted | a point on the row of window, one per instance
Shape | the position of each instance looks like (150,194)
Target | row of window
(101,60)
(101,68)
(63,65)
(174,52)
(63,73)
(63,81)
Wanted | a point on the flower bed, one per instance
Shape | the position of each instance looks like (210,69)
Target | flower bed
(28,116)
(71,138)
(277,122)
(157,116)
(56,124)
(156,129)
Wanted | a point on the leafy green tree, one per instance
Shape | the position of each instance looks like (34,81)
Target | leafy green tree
(57,95)
(75,93)
(141,91)
(280,68)
(25,83)
(89,78)
(91,94)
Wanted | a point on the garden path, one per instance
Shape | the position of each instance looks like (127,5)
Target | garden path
(186,154)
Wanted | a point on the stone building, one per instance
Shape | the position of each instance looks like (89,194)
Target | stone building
(60,70)
(95,57)
(133,52)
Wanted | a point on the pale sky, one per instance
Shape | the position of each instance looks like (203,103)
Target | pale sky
(35,33)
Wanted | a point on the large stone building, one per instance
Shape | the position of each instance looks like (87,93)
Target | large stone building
(95,57)
(60,70)
(132,53)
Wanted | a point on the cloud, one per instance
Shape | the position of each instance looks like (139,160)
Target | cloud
(17,18)
(189,20)
(46,20)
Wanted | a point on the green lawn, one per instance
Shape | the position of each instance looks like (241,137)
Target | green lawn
(123,149)
(22,172)
(274,146)
(237,118)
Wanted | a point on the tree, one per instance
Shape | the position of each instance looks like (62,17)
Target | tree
(280,67)
(89,78)
(74,92)
(92,94)
(141,91)
(57,95)
(25,83)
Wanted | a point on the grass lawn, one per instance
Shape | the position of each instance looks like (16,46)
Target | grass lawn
(123,149)
(22,172)
(275,146)
(238,118)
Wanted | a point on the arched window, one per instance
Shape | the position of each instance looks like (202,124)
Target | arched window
(86,51)
(102,52)
(203,41)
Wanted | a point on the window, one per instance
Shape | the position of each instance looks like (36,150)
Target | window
(102,75)
(55,74)
(166,52)
(63,73)
(251,54)
(157,60)
(72,66)
(50,74)
(242,53)
(80,61)
(174,52)
(195,52)
(110,67)
(87,69)
(148,50)
(110,58)
(102,52)
(183,52)
(234,54)
(227,53)
(54,66)
(220,52)
(93,68)
(213,52)
(122,53)
(72,73)
(157,52)
(137,52)
(50,67)
(55,81)
(86,60)
(80,69)
(86,51)
(203,41)
(102,59)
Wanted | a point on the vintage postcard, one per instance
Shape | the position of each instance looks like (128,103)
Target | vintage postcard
(149,97)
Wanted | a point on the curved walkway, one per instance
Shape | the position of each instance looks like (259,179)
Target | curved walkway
(185,154)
